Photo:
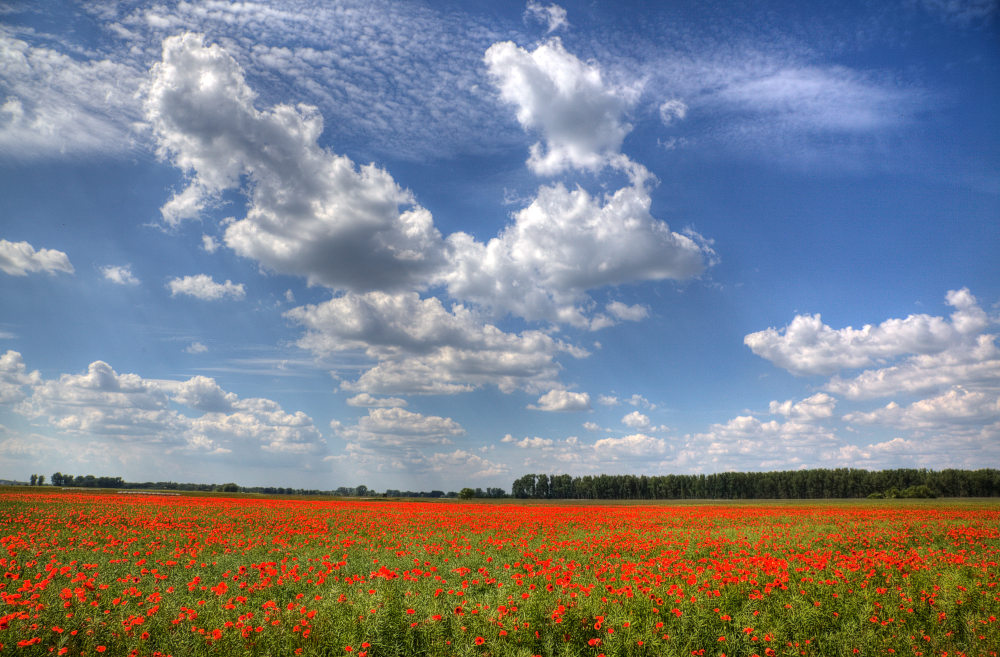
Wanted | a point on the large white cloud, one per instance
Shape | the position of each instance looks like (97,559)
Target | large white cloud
(567,242)
(312,213)
(808,346)
(125,409)
(20,259)
(956,408)
(422,347)
(580,116)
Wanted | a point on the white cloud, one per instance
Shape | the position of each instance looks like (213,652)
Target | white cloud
(421,347)
(203,287)
(471,466)
(814,98)
(533,442)
(390,428)
(807,346)
(126,412)
(14,377)
(119,274)
(579,115)
(553,15)
(562,400)
(593,426)
(672,110)
(956,409)
(311,212)
(638,400)
(816,407)
(975,364)
(628,313)
(209,244)
(637,445)
(607,400)
(565,243)
(747,443)
(57,105)
(636,420)
(196,348)
(20,259)
(365,400)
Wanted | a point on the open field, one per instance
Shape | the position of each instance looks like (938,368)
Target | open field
(87,573)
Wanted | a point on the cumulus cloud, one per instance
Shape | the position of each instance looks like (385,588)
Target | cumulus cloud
(808,346)
(580,116)
(311,212)
(14,377)
(633,446)
(553,16)
(391,428)
(627,313)
(815,407)
(20,259)
(202,286)
(422,347)
(532,442)
(957,408)
(562,400)
(119,274)
(115,409)
(636,420)
(365,400)
(565,243)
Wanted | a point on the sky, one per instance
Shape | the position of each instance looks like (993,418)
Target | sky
(431,245)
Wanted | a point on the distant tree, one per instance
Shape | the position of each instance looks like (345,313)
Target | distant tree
(361,490)
(229,488)
(57,479)
(466,494)
(34,480)
(41,480)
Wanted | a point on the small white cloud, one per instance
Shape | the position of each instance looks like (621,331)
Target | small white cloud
(20,258)
(635,445)
(366,400)
(592,426)
(553,16)
(607,400)
(209,243)
(203,287)
(119,274)
(562,400)
(289,296)
(628,313)
(640,401)
(636,420)
(533,442)
(816,407)
(196,348)
(672,110)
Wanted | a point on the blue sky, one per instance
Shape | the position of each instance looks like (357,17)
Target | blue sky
(435,245)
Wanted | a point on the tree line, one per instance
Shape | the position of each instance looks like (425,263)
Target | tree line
(788,484)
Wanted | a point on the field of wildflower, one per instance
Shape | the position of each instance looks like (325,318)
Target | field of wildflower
(85,574)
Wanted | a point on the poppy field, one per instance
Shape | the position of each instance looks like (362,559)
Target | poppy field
(137,575)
